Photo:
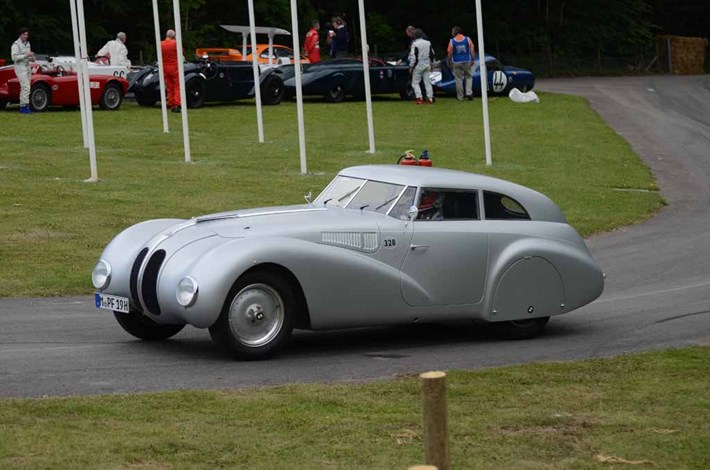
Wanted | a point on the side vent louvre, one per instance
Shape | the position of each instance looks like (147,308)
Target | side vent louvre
(150,282)
(134,276)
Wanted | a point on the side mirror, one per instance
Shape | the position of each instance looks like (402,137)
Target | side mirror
(412,212)
(308,197)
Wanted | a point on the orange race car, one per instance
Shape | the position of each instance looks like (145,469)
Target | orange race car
(279,55)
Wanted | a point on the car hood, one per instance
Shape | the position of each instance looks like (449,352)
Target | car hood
(305,221)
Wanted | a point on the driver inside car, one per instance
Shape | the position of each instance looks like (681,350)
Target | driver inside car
(430,205)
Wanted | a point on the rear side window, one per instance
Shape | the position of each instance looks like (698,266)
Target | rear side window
(501,207)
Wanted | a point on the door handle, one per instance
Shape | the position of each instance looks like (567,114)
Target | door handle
(418,247)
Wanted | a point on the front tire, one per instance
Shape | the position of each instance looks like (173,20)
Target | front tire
(40,97)
(144,100)
(257,317)
(520,329)
(144,328)
(111,98)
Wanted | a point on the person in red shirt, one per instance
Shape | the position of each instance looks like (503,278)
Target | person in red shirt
(170,70)
(312,46)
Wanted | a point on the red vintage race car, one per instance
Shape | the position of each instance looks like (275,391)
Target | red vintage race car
(54,86)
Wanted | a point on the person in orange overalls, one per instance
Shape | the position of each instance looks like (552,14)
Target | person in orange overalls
(312,46)
(170,70)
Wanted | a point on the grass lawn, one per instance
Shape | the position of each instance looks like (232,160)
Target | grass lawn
(53,225)
(651,408)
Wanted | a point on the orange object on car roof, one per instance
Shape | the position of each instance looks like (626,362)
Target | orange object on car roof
(280,54)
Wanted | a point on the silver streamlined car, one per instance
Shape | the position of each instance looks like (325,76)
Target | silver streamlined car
(382,244)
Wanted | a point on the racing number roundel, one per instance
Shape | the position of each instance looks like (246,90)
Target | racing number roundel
(500,81)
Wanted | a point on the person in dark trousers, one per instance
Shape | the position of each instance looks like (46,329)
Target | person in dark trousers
(461,60)
(312,44)
(342,38)
(171,73)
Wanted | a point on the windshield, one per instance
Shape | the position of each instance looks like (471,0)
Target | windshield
(339,191)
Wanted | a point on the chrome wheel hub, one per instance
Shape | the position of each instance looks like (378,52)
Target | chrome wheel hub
(256,315)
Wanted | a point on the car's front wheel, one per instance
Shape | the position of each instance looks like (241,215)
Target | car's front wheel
(520,329)
(144,100)
(40,97)
(144,328)
(112,97)
(257,317)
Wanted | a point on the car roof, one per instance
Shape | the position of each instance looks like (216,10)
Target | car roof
(539,206)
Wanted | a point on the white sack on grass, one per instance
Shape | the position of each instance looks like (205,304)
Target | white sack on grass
(520,97)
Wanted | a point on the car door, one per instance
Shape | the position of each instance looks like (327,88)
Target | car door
(447,259)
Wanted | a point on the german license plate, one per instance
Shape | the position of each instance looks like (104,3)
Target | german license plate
(112,302)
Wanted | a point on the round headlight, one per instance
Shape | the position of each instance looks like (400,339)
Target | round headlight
(186,291)
(101,275)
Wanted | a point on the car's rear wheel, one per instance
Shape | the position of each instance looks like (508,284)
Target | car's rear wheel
(144,328)
(112,97)
(335,94)
(272,90)
(40,97)
(144,100)
(520,329)
(257,317)
(195,92)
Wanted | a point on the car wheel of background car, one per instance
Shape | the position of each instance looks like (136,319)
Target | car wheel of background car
(112,97)
(39,97)
(272,90)
(3,104)
(143,100)
(195,92)
(408,92)
(144,328)
(257,317)
(335,94)
(524,89)
(520,329)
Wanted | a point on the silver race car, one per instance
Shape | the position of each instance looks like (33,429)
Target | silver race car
(381,245)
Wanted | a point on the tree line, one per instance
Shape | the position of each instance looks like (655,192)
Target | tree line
(547,36)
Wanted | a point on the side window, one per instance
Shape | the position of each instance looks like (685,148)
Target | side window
(438,204)
(501,207)
(401,209)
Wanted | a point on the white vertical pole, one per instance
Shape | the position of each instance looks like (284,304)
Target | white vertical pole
(484,82)
(366,72)
(79,81)
(181,77)
(159,51)
(87,92)
(271,49)
(299,92)
(255,67)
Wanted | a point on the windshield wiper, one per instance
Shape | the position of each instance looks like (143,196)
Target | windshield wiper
(326,201)
(350,193)
(386,202)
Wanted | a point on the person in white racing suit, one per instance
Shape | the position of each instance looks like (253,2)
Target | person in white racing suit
(420,57)
(22,55)
(116,51)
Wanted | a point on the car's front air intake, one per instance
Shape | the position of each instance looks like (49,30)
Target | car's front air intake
(149,284)
(135,271)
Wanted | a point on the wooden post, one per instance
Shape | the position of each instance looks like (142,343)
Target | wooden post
(434,422)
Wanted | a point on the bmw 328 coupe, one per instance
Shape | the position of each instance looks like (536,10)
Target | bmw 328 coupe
(381,245)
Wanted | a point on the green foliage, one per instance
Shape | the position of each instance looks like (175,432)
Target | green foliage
(650,407)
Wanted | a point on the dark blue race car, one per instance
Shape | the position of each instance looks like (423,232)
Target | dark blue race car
(501,78)
(206,80)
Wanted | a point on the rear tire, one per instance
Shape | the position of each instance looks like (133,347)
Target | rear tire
(143,100)
(144,328)
(335,94)
(272,90)
(195,92)
(3,104)
(112,97)
(40,97)
(520,329)
(257,317)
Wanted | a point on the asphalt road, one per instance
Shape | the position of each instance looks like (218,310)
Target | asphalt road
(657,291)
